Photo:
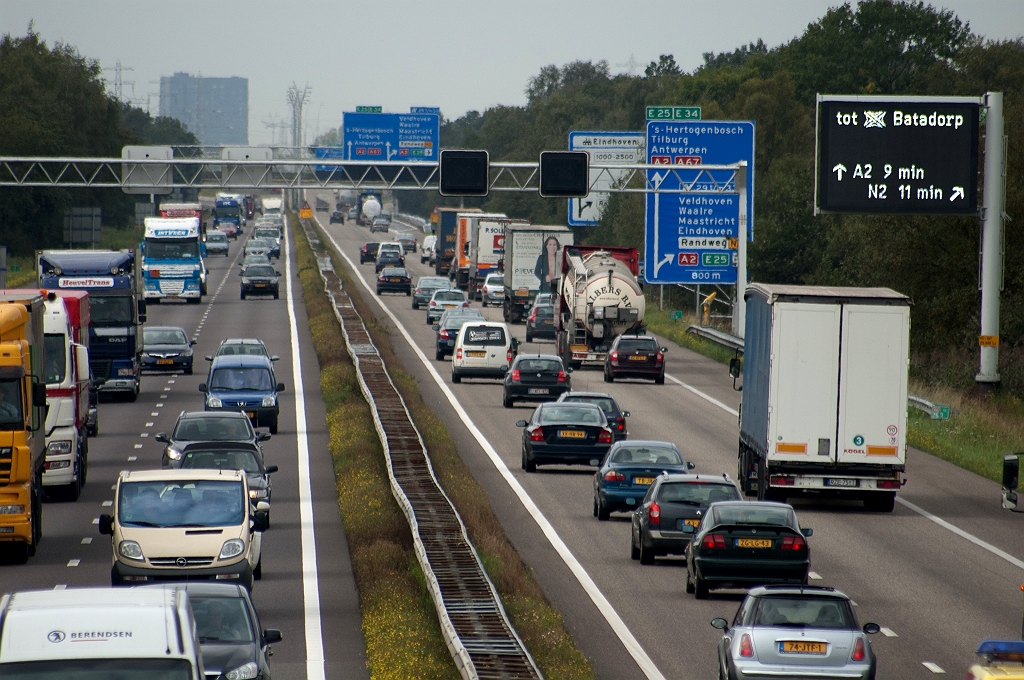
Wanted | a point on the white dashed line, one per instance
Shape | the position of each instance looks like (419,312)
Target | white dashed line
(60,586)
(167,389)
(888,632)
(107,504)
(74,563)
(149,424)
(933,667)
(144,434)
(95,520)
(814,576)
(132,459)
(159,405)
(138,446)
(155,413)
(170,382)
(86,541)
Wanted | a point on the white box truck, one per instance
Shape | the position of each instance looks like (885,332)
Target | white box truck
(824,407)
(99,633)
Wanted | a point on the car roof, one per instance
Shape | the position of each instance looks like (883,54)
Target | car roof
(645,442)
(634,336)
(211,414)
(491,324)
(601,395)
(551,404)
(241,341)
(178,474)
(215,445)
(702,478)
(163,328)
(814,591)
(207,588)
(240,360)
(538,356)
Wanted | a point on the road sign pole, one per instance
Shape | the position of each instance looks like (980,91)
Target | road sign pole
(992,239)
(739,304)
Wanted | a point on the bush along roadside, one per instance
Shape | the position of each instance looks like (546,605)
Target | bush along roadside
(538,624)
(400,626)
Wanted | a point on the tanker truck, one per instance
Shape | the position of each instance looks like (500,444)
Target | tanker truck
(369,205)
(599,299)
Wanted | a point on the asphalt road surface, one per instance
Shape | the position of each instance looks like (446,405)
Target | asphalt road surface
(940,573)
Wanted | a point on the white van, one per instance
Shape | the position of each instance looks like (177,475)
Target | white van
(483,349)
(90,633)
(185,525)
(427,249)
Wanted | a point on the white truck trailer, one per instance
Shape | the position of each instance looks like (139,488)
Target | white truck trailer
(824,409)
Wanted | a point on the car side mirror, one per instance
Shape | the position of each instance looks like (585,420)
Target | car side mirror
(209,358)
(521,423)
(263,436)
(1011,471)
(436,327)
(734,367)
(871,628)
(277,273)
(107,525)
(39,394)
(807,532)
(241,273)
(271,469)
(191,343)
(280,387)
(688,529)
(162,437)
(272,635)
(260,521)
(275,358)
(719,623)
(570,369)
(690,465)
(664,349)
(625,414)
(202,387)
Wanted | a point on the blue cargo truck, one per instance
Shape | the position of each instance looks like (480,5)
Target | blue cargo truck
(174,259)
(114,281)
(228,213)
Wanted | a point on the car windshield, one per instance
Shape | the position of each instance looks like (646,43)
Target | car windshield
(164,336)
(604,403)
(221,619)
(54,357)
(450,296)
(221,460)
(255,349)
(110,309)
(485,335)
(256,259)
(697,492)
(199,503)
(803,612)
(216,238)
(638,345)
(212,429)
(229,211)
(10,405)
(749,513)
(652,455)
(242,378)
(259,270)
(100,669)
(266,233)
(539,365)
(161,249)
(557,413)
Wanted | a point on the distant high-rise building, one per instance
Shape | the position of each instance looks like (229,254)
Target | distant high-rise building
(216,110)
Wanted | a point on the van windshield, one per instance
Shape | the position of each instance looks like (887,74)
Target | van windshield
(242,378)
(199,503)
(100,669)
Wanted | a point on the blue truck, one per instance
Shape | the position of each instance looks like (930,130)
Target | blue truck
(229,213)
(174,259)
(117,309)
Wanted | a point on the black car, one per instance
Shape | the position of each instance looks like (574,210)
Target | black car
(672,502)
(166,348)
(394,280)
(606,402)
(231,641)
(535,377)
(445,333)
(425,287)
(635,356)
(571,434)
(207,426)
(337,217)
(368,253)
(389,258)
(740,544)
(259,279)
(540,323)
(230,456)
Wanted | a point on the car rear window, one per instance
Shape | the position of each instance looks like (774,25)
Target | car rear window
(653,455)
(392,271)
(749,513)
(697,492)
(450,296)
(803,612)
(485,335)
(638,345)
(432,282)
(495,280)
(603,403)
(259,270)
(164,336)
(221,460)
(545,310)
(541,365)
(215,429)
(571,414)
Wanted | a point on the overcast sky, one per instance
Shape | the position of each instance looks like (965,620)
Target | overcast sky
(458,54)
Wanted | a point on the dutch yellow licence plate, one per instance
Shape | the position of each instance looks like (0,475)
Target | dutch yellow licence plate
(572,434)
(476,354)
(800,647)
(449,306)
(261,285)
(394,280)
(645,481)
(753,542)
(637,357)
(251,414)
(691,522)
(164,362)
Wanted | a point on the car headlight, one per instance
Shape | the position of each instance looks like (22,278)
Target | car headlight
(214,402)
(58,448)
(269,401)
(130,549)
(12,509)
(232,548)
(173,453)
(245,672)
(257,493)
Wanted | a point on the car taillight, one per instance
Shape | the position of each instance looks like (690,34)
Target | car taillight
(466,303)
(859,652)
(508,356)
(615,355)
(659,357)
(746,646)
(443,333)
(433,304)
(561,376)
(605,436)
(536,434)
(620,424)
(654,513)
(793,543)
(515,375)
(888,484)
(458,353)
(779,480)
(713,541)
(533,317)
(614,476)
(383,278)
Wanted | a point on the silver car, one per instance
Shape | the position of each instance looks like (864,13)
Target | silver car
(795,632)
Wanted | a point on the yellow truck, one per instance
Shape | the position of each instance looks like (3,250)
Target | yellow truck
(22,420)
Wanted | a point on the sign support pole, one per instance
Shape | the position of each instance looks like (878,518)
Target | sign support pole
(739,304)
(992,240)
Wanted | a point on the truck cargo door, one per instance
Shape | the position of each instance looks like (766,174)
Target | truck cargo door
(804,382)
(873,384)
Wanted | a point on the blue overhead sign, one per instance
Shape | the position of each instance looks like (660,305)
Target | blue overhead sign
(391,136)
(692,238)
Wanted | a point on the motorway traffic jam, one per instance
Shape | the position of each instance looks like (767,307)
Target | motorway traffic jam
(542,342)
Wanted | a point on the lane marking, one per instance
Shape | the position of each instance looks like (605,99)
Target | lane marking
(888,632)
(814,576)
(702,395)
(144,434)
(138,446)
(589,586)
(132,459)
(315,668)
(149,424)
(170,382)
(86,541)
(933,667)
(60,586)
(159,405)
(962,534)
(167,389)
(155,413)
(74,563)
(107,504)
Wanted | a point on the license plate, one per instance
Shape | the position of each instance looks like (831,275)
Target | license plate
(449,306)
(549,321)
(394,280)
(800,647)
(753,542)
(251,414)
(164,362)
(644,481)
(637,357)
(842,482)
(572,434)
(476,354)
(537,390)
(261,285)
(691,522)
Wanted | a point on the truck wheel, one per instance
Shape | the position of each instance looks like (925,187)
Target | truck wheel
(880,502)
(504,311)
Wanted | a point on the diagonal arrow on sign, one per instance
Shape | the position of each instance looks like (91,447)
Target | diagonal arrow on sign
(958,192)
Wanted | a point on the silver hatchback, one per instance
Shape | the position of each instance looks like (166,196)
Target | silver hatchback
(795,632)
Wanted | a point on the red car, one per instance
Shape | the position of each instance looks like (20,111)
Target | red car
(635,356)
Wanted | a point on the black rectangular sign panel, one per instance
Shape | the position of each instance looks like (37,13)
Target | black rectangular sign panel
(463,173)
(885,156)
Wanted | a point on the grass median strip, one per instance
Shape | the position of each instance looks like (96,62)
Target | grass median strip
(403,638)
(538,624)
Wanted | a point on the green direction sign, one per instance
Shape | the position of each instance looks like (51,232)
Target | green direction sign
(715,259)
(676,315)
(940,412)
(369,109)
(673,113)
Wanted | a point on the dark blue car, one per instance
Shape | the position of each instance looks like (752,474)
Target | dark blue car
(244,383)
(628,470)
